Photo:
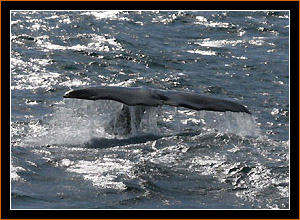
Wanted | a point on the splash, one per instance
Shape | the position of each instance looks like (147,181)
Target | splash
(241,124)
(76,122)
(181,120)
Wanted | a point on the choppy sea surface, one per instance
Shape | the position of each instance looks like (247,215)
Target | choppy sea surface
(62,156)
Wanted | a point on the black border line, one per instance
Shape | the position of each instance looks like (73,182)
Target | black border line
(293,213)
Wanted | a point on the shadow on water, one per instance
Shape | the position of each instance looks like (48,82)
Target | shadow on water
(106,142)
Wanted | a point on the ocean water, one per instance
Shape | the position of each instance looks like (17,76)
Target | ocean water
(62,156)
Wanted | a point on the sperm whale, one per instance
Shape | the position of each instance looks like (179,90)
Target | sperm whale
(140,96)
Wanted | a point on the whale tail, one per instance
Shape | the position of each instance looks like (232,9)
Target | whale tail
(133,96)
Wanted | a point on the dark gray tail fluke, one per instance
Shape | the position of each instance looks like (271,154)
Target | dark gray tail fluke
(154,97)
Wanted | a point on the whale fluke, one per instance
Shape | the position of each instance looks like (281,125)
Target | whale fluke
(132,96)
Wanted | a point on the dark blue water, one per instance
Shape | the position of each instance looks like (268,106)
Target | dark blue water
(63,158)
